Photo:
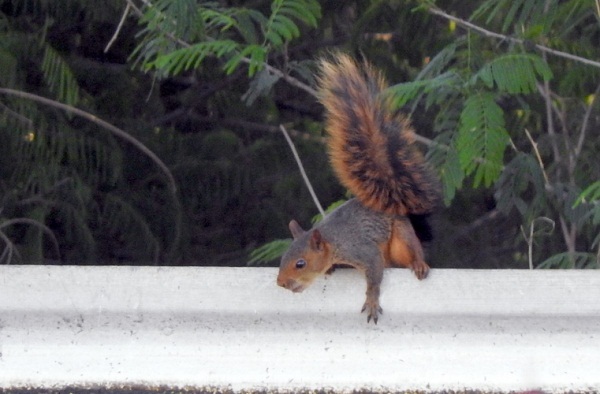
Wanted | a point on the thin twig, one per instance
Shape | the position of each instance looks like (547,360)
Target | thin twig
(530,242)
(119,27)
(584,124)
(474,226)
(113,129)
(134,7)
(546,95)
(488,33)
(529,239)
(286,77)
(538,156)
(562,117)
(567,234)
(304,176)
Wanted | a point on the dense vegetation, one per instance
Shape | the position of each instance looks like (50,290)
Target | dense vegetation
(148,131)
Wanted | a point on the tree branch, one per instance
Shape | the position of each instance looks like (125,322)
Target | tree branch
(488,33)
(546,95)
(113,129)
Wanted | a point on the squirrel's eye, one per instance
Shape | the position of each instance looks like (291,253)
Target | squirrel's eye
(300,263)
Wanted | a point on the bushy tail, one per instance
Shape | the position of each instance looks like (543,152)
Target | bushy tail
(372,147)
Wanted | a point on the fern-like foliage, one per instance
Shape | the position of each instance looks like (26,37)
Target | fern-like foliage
(59,77)
(514,73)
(521,176)
(55,169)
(482,138)
(403,93)
(512,12)
(591,194)
(532,19)
(571,260)
(275,249)
(588,206)
(269,252)
(123,221)
(216,30)
(8,65)
(478,147)
(184,59)
(444,157)
(281,28)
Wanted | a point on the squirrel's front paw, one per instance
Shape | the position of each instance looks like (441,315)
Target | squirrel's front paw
(373,310)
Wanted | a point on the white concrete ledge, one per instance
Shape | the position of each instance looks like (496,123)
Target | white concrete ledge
(234,328)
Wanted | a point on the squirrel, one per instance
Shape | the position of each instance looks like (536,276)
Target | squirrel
(372,152)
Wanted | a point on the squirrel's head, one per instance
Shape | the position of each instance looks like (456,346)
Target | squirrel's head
(308,257)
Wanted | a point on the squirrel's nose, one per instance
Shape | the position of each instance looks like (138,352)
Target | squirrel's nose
(281,282)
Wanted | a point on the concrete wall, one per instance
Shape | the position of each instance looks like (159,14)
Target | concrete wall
(234,328)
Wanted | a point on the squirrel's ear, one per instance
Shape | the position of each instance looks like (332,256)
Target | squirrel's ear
(295,229)
(316,240)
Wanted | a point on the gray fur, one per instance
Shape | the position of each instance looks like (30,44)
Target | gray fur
(344,227)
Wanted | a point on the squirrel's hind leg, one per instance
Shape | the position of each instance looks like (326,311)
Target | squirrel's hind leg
(405,250)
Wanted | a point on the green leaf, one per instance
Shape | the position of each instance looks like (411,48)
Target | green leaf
(521,186)
(442,154)
(182,18)
(246,25)
(302,11)
(482,138)
(286,31)
(571,260)
(514,73)
(591,193)
(452,176)
(213,18)
(513,12)
(332,207)
(257,56)
(182,59)
(402,93)
(59,77)
(269,251)
(281,26)
(439,62)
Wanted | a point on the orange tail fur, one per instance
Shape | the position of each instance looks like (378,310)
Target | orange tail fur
(372,147)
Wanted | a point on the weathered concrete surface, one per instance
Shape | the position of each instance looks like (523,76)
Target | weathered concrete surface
(234,328)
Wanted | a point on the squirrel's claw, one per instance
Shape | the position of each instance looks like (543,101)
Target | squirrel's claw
(373,310)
